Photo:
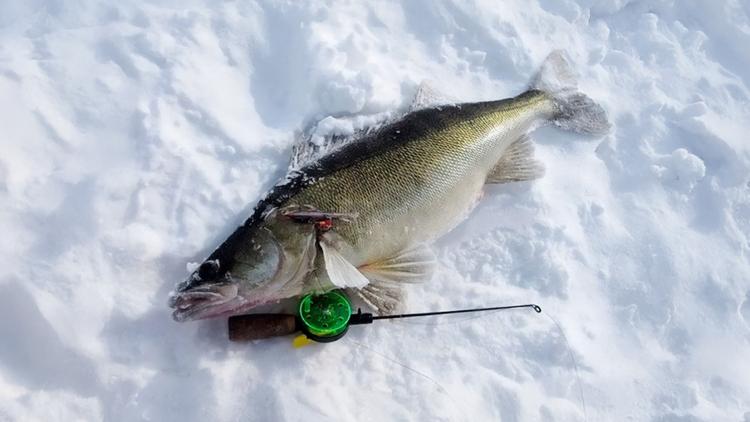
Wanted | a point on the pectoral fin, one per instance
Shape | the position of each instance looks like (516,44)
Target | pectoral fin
(340,271)
(517,164)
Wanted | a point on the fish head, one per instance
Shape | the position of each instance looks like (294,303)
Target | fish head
(255,266)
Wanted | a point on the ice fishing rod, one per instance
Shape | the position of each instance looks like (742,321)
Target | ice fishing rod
(325,318)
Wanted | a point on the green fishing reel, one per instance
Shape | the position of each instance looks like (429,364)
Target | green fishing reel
(325,318)
(322,318)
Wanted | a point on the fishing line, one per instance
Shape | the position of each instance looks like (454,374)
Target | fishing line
(439,386)
(582,398)
(327,317)
(575,364)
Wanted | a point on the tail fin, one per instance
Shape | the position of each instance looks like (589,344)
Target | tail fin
(575,111)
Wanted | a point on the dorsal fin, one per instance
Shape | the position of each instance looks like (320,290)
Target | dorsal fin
(330,133)
(326,135)
(428,95)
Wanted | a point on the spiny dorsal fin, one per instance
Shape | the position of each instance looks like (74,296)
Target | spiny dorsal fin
(427,96)
(332,132)
(517,163)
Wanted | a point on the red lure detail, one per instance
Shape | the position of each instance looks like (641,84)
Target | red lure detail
(324,225)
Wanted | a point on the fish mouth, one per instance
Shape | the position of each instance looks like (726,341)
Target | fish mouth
(204,301)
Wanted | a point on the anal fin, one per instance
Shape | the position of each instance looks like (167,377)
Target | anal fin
(517,163)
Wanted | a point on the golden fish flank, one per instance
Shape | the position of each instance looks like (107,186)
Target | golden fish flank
(362,215)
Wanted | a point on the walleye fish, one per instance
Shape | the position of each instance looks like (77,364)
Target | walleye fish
(361,213)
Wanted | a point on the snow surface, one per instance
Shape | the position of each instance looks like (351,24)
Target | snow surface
(136,136)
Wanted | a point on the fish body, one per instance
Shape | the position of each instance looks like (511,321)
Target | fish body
(362,215)
(425,176)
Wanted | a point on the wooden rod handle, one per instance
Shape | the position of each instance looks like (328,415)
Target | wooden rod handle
(260,326)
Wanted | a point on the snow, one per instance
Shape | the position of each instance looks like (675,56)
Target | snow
(135,137)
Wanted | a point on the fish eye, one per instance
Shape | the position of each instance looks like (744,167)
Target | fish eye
(209,269)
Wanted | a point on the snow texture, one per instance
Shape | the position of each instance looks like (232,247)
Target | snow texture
(137,135)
